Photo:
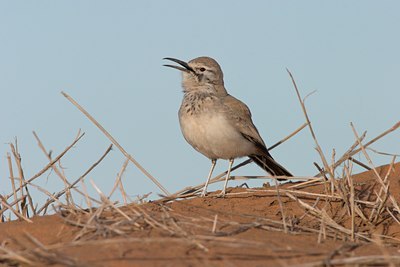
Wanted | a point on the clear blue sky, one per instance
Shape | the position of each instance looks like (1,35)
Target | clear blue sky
(108,56)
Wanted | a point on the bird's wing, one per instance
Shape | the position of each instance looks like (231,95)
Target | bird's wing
(240,115)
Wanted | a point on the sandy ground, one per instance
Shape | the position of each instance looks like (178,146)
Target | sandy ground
(243,229)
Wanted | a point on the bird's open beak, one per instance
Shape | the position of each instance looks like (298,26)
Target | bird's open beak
(185,66)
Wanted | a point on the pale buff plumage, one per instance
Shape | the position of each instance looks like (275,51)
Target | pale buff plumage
(217,124)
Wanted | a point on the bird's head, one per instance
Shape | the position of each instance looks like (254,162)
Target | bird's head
(199,72)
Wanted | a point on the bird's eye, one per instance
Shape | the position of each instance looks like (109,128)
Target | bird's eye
(202,69)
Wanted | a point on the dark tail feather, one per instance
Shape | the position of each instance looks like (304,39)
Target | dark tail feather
(271,166)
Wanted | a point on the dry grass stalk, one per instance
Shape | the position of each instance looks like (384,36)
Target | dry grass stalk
(310,182)
(108,202)
(322,214)
(295,192)
(348,170)
(289,136)
(125,196)
(352,151)
(13,258)
(392,215)
(17,158)
(86,195)
(349,153)
(48,166)
(362,147)
(222,241)
(112,139)
(214,228)
(14,203)
(322,231)
(269,177)
(10,169)
(383,153)
(392,199)
(16,213)
(50,195)
(360,163)
(105,222)
(383,195)
(118,182)
(48,257)
(318,147)
(59,194)
(281,207)
(87,227)
(92,223)
(110,220)
(55,169)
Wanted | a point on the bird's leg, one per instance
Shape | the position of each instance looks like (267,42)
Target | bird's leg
(213,162)
(228,174)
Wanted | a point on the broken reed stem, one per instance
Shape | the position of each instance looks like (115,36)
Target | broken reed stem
(281,207)
(392,199)
(10,168)
(54,167)
(289,136)
(86,195)
(123,192)
(214,227)
(45,192)
(14,203)
(348,171)
(382,195)
(318,147)
(322,231)
(390,169)
(308,182)
(383,153)
(109,136)
(119,176)
(17,158)
(360,163)
(270,177)
(20,189)
(16,213)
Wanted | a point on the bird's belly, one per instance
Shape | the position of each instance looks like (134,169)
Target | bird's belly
(214,136)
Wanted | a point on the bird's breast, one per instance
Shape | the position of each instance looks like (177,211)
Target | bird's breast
(207,128)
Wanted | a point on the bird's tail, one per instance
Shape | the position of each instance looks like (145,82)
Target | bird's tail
(270,165)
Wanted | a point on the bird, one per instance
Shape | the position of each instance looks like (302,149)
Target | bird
(215,123)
